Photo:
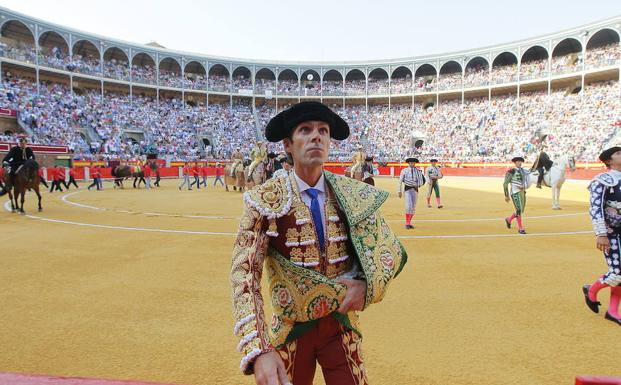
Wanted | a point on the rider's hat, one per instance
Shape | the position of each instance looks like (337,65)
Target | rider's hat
(368,159)
(516,158)
(281,125)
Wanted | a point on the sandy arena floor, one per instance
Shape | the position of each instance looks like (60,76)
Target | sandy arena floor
(133,284)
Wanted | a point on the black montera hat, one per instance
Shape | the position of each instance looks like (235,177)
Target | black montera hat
(411,160)
(607,154)
(281,125)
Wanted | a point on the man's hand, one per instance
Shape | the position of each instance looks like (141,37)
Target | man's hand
(506,199)
(270,370)
(354,298)
(399,193)
(603,243)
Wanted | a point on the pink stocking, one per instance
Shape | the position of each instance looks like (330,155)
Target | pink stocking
(595,288)
(439,201)
(408,219)
(511,218)
(428,201)
(615,298)
(519,221)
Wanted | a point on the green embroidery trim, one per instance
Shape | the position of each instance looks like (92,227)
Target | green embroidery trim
(358,199)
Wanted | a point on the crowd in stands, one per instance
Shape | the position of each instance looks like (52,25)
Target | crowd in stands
(566,63)
(146,74)
(87,62)
(477,130)
(378,86)
(504,74)
(262,85)
(288,87)
(401,85)
(602,56)
(219,83)
(577,124)
(241,83)
(449,81)
(116,69)
(332,88)
(534,69)
(355,87)
(17,50)
(170,79)
(195,81)
(425,83)
(476,76)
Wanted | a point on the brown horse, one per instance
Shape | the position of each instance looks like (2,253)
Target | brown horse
(122,172)
(26,178)
(238,181)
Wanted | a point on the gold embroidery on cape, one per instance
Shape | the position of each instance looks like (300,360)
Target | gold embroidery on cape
(272,198)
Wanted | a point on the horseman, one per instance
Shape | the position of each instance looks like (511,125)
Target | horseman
(17,156)
(368,171)
(542,164)
(257,155)
(236,160)
(357,160)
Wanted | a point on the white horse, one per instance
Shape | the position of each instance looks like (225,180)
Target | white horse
(555,177)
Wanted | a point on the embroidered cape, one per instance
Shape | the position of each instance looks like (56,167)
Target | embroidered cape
(300,296)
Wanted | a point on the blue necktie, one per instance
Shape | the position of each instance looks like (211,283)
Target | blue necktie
(316,212)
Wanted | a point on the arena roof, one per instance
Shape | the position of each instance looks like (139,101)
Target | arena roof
(549,42)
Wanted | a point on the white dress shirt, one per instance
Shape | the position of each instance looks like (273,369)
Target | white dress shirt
(321,196)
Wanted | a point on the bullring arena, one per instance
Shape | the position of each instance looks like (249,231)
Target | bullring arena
(132,286)
(144,294)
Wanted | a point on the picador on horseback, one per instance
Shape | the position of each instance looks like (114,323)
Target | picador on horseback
(542,165)
(17,156)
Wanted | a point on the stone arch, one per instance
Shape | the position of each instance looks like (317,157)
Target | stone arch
(195,75)
(378,82)
(288,82)
(504,68)
(566,55)
(20,41)
(450,75)
(425,78)
(332,83)
(401,80)
(534,63)
(218,78)
(242,78)
(85,57)
(602,49)
(54,50)
(170,72)
(264,79)
(311,83)
(116,64)
(534,53)
(143,68)
(355,82)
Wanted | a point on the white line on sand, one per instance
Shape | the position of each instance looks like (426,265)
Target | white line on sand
(404,237)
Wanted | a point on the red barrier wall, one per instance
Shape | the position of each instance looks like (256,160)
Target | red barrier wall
(598,380)
(585,174)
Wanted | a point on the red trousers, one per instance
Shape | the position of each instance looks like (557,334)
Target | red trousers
(336,349)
